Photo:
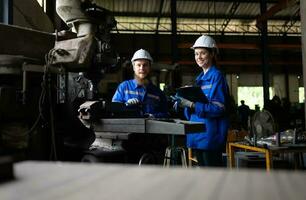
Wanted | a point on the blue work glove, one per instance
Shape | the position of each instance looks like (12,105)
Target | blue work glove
(182,102)
(133,101)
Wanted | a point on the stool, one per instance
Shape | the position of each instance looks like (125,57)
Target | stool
(191,158)
(170,151)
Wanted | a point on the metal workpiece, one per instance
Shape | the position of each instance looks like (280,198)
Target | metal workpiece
(173,127)
(131,125)
(111,135)
(148,126)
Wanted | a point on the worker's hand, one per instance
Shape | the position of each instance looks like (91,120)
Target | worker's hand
(133,101)
(182,102)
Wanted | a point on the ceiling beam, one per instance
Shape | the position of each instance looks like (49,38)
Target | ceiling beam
(282,4)
(246,46)
(232,11)
(234,69)
(240,1)
(240,62)
(294,18)
(197,16)
(159,14)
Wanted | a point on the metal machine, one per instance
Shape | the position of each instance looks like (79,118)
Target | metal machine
(40,98)
(41,90)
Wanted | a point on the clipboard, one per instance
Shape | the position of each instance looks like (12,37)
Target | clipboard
(192,93)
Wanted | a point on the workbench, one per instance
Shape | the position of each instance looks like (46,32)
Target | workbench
(79,181)
(268,152)
(119,129)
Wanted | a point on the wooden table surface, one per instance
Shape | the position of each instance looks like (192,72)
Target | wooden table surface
(77,181)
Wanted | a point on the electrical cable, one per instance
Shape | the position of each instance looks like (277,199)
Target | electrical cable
(46,90)
(49,61)
(52,125)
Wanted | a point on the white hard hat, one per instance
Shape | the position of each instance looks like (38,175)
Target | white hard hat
(142,54)
(205,41)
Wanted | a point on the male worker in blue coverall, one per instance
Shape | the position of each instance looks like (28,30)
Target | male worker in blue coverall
(140,91)
(209,144)
(141,94)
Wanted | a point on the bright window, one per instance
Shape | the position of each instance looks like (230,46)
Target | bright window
(40,2)
(162,86)
(252,96)
(301,95)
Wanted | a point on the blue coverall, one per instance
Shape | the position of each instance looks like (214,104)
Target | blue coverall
(212,114)
(151,98)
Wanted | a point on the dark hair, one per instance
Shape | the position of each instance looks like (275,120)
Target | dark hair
(212,51)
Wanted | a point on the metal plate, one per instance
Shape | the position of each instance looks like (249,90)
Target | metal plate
(149,126)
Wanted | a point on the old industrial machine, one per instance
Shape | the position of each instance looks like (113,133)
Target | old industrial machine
(41,92)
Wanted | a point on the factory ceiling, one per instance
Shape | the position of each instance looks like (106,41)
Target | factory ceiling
(236,26)
(238,17)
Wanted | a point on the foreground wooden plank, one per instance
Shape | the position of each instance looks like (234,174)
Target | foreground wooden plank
(75,181)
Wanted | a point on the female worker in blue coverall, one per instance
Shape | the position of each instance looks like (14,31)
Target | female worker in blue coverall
(209,144)
(140,91)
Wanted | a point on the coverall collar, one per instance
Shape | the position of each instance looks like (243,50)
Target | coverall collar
(207,76)
(136,85)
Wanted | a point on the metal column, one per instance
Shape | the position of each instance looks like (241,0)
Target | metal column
(264,52)
(174,48)
(303,26)
(6,11)
(156,36)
